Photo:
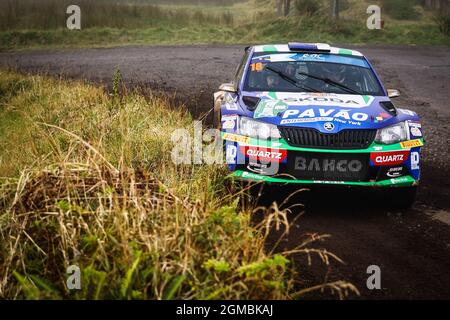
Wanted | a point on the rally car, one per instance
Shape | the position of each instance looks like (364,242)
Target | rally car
(306,114)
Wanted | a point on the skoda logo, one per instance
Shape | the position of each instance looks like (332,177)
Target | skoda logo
(328,126)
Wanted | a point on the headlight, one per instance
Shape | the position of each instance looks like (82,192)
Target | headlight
(256,129)
(392,134)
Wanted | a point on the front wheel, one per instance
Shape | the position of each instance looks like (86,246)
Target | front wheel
(401,198)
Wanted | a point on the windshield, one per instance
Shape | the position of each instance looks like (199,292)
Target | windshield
(311,73)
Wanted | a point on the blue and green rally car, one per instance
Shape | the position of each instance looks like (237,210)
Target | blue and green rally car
(314,114)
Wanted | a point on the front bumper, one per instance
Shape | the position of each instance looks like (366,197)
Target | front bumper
(392,173)
(404,181)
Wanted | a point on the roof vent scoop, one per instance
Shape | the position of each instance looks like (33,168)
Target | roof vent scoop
(389,107)
(314,47)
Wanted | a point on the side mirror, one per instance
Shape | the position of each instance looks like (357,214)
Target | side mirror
(227,87)
(393,93)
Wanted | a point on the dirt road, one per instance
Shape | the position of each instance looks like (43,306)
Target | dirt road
(411,248)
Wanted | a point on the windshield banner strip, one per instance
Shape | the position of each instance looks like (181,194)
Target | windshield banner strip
(311,57)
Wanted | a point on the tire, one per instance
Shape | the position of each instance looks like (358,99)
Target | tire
(401,198)
(209,120)
(216,116)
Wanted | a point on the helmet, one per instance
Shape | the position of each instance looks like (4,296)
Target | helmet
(335,72)
(301,70)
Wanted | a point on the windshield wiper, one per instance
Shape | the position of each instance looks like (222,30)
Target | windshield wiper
(333,83)
(286,77)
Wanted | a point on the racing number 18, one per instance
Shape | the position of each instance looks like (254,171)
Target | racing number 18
(258,66)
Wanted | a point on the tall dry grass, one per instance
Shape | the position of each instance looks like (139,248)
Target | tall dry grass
(87,180)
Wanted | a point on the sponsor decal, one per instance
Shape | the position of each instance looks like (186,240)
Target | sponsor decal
(327,182)
(322,99)
(411,144)
(415,131)
(269,108)
(259,168)
(250,175)
(330,99)
(395,172)
(314,115)
(231,106)
(276,144)
(230,102)
(415,160)
(381,117)
(312,56)
(290,57)
(327,165)
(264,154)
(231,154)
(236,138)
(389,158)
(229,124)
(292,121)
(227,117)
(325,101)
(257,67)
(399,180)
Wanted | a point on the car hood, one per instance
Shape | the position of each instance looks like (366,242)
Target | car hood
(326,112)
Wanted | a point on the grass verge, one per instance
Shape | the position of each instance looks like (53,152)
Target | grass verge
(87,180)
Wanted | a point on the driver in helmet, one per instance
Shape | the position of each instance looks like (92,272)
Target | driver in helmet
(290,69)
(337,73)
(273,81)
(334,72)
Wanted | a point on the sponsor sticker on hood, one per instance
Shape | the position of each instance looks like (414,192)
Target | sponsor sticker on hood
(321,99)
(292,116)
(269,108)
(299,108)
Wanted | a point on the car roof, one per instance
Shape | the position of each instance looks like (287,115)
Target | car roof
(319,47)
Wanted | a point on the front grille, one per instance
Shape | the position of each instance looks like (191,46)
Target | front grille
(312,138)
(329,166)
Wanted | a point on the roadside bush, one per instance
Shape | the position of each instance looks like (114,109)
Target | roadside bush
(343,5)
(345,28)
(307,7)
(443,22)
(401,9)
